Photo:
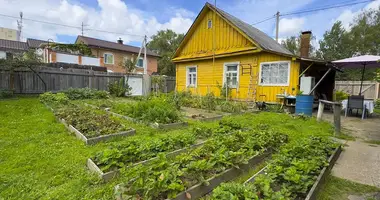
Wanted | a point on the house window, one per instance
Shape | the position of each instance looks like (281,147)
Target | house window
(209,24)
(108,58)
(231,74)
(191,77)
(275,73)
(140,62)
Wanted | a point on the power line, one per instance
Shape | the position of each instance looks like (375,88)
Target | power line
(70,26)
(325,8)
(267,19)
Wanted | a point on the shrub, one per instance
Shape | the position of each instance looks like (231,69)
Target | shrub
(5,93)
(341,95)
(86,93)
(154,110)
(232,107)
(119,89)
(377,103)
(208,102)
(50,98)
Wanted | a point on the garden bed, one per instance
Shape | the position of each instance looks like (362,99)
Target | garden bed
(202,115)
(201,189)
(90,139)
(107,176)
(197,172)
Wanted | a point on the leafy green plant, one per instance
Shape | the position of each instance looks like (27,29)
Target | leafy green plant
(208,102)
(230,191)
(119,88)
(377,103)
(233,107)
(340,95)
(165,178)
(225,91)
(50,98)
(153,111)
(89,122)
(86,93)
(5,94)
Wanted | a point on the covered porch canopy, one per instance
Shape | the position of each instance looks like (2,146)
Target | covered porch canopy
(363,62)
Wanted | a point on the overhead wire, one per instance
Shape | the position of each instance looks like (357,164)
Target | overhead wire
(71,26)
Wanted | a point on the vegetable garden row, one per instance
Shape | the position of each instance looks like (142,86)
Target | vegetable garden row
(191,162)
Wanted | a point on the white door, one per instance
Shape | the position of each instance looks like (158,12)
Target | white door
(136,84)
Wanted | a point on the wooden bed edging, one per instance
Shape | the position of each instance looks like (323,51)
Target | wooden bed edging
(324,173)
(207,119)
(101,138)
(107,176)
(321,178)
(199,190)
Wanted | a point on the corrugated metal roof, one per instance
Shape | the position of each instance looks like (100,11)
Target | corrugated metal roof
(34,43)
(112,45)
(13,45)
(263,40)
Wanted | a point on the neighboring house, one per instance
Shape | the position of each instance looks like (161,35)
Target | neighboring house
(219,48)
(9,34)
(114,53)
(10,47)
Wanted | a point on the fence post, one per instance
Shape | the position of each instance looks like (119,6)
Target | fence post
(337,110)
(377,89)
(321,107)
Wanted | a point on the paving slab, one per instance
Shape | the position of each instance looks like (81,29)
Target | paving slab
(359,162)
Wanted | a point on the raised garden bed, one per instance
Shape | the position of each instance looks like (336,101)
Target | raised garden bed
(201,115)
(107,176)
(193,174)
(93,139)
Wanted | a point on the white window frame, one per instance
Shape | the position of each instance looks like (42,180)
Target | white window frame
(187,76)
(238,73)
(113,58)
(270,84)
(138,62)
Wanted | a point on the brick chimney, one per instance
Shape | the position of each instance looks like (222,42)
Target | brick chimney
(120,41)
(305,44)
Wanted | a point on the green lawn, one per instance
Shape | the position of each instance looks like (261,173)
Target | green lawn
(39,159)
(339,189)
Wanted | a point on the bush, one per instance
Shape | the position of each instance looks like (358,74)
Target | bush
(341,95)
(119,89)
(154,110)
(50,98)
(377,103)
(86,93)
(5,94)
(232,107)
(208,102)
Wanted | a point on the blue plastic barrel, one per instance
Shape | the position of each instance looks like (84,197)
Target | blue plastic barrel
(304,104)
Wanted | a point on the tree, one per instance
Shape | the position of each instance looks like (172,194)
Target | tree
(165,43)
(361,39)
(293,44)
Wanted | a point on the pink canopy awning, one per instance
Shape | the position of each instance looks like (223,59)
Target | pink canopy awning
(369,61)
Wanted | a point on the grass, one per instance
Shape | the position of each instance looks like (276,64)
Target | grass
(339,189)
(40,160)
(377,111)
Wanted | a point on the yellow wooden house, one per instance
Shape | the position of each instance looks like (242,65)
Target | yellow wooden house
(219,49)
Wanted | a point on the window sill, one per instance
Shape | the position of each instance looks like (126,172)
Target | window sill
(275,85)
(191,86)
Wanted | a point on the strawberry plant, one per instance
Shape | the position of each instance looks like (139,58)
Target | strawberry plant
(89,122)
(290,174)
(165,178)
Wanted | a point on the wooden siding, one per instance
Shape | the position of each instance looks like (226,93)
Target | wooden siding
(199,41)
(211,76)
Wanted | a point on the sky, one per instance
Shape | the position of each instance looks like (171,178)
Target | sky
(132,19)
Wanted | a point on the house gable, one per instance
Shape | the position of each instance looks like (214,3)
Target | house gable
(198,42)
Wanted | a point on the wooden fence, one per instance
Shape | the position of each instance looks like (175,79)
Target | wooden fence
(25,81)
(370,90)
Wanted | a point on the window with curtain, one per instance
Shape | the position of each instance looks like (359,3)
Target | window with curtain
(192,76)
(274,73)
(231,75)
(108,58)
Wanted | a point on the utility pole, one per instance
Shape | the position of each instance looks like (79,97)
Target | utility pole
(83,27)
(277,24)
(19,26)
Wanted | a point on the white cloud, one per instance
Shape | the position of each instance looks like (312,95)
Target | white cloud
(111,15)
(292,26)
(348,16)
